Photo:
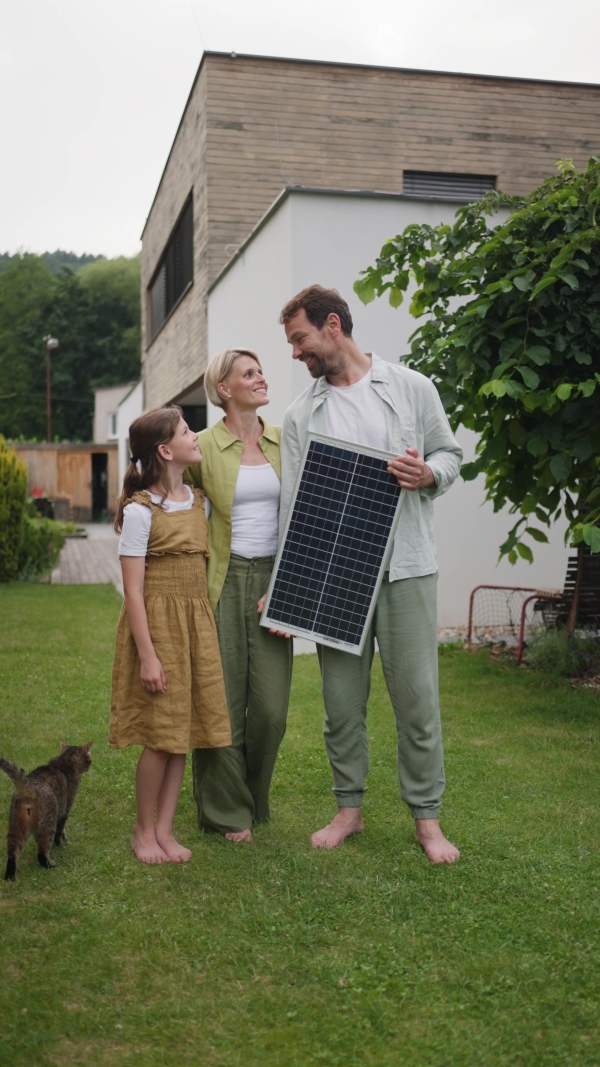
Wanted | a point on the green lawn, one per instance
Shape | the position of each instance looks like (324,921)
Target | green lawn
(276,954)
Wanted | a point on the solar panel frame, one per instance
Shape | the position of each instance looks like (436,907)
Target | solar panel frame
(341,506)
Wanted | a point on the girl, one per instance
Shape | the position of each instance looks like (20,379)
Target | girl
(167,687)
(241,475)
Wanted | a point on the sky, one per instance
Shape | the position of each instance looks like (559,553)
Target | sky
(92,91)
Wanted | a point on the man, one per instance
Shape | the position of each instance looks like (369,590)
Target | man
(362,399)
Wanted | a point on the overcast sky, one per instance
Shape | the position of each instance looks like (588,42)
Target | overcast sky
(92,91)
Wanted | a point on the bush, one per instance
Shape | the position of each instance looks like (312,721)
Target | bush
(13,496)
(564,655)
(40,549)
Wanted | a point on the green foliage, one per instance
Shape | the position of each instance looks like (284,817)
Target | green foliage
(94,313)
(41,544)
(54,260)
(512,336)
(13,496)
(563,655)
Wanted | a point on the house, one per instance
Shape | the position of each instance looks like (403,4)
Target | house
(286,172)
(106,403)
(80,479)
(254,125)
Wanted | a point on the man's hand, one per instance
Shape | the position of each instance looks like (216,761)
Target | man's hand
(259,608)
(411,471)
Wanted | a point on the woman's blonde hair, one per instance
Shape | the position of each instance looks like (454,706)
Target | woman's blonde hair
(219,369)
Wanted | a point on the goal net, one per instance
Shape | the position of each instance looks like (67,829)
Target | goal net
(504,614)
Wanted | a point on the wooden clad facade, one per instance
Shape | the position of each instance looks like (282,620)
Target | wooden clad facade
(254,125)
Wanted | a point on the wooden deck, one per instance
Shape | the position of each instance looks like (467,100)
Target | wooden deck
(91,560)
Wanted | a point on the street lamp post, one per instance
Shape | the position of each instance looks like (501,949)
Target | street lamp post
(51,343)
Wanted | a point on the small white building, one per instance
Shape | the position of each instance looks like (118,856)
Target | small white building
(106,404)
(130,406)
(328,237)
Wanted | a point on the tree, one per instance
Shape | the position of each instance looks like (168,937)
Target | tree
(95,314)
(512,337)
(27,294)
(53,260)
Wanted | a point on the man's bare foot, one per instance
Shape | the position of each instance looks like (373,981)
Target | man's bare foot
(146,847)
(174,852)
(347,821)
(244,836)
(436,847)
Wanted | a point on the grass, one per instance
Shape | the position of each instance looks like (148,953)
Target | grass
(276,954)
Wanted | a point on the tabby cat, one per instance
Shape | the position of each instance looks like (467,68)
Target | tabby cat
(42,801)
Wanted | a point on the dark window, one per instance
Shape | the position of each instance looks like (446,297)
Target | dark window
(195,416)
(431,186)
(175,271)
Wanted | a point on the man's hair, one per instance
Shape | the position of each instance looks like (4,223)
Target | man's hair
(318,303)
(219,369)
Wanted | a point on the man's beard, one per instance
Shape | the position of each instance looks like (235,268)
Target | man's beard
(321,365)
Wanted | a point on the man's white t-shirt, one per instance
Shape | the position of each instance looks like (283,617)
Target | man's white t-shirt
(356,413)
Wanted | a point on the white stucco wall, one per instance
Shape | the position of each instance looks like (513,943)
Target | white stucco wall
(330,239)
(243,310)
(130,407)
(106,402)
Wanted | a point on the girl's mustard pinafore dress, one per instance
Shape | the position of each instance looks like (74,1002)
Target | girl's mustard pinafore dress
(193,711)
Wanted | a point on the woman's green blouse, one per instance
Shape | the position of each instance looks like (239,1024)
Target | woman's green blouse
(217,476)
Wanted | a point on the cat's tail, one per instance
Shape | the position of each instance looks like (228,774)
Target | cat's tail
(23,786)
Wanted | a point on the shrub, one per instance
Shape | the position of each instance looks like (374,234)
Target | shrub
(40,548)
(13,495)
(563,655)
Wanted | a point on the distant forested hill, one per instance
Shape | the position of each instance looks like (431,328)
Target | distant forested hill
(92,306)
(54,260)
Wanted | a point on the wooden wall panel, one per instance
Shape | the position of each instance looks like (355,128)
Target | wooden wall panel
(74,478)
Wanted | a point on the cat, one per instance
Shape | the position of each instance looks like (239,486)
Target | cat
(42,801)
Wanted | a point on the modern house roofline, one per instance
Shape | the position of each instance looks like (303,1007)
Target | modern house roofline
(353,66)
(369,194)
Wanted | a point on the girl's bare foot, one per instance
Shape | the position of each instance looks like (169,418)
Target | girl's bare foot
(146,847)
(244,836)
(436,847)
(174,852)
(347,821)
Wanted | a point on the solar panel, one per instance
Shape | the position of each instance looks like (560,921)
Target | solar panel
(334,549)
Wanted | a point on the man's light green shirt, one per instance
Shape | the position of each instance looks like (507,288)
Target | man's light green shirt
(217,476)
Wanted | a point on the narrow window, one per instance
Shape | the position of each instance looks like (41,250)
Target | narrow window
(431,186)
(175,272)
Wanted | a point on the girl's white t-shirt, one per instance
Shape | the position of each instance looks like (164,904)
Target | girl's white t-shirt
(137,520)
(255,512)
(356,413)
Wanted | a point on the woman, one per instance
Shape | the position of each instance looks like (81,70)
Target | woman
(241,476)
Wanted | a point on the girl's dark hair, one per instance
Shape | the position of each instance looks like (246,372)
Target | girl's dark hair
(153,428)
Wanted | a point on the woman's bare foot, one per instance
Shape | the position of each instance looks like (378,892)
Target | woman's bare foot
(436,847)
(244,836)
(347,821)
(174,852)
(146,847)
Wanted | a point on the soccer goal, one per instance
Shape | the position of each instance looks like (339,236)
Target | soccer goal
(506,614)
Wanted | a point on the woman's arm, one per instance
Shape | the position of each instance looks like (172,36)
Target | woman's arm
(152,675)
